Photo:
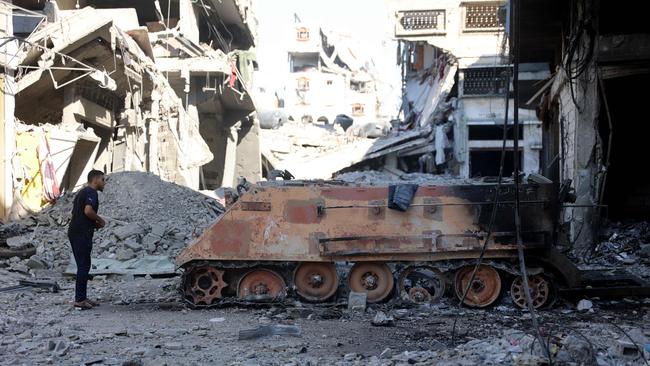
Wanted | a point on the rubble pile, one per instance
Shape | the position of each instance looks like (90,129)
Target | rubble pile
(623,240)
(626,244)
(515,347)
(312,151)
(296,139)
(144,215)
(375,177)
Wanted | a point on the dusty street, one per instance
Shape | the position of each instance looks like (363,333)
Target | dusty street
(142,322)
(255,182)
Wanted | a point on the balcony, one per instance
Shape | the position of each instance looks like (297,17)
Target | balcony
(483,16)
(420,23)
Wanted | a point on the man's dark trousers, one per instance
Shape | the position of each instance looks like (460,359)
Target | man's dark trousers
(82,245)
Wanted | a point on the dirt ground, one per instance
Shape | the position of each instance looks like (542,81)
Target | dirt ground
(142,322)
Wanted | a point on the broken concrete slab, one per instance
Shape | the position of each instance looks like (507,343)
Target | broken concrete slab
(383,320)
(18,241)
(147,265)
(158,230)
(357,301)
(149,242)
(36,262)
(129,230)
(132,244)
(124,254)
(584,305)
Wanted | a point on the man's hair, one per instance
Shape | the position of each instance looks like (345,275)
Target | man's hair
(94,173)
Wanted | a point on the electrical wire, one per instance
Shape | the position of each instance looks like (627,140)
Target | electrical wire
(222,41)
(574,65)
(516,19)
(495,199)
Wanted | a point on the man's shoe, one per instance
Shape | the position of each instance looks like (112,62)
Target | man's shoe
(93,303)
(82,305)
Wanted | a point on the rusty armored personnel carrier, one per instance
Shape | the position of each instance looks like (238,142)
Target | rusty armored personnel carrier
(295,238)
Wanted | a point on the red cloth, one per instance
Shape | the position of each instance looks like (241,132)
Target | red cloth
(233,73)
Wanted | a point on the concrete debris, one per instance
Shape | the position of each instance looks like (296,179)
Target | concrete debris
(357,301)
(576,348)
(383,320)
(624,245)
(312,151)
(18,241)
(123,91)
(381,178)
(36,262)
(584,305)
(128,230)
(124,254)
(149,222)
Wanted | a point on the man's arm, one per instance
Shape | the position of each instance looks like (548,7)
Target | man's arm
(91,214)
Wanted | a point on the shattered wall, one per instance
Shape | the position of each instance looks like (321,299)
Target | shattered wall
(94,74)
(455,52)
(582,155)
(328,75)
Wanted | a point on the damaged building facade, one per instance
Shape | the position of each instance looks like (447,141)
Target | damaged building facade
(592,107)
(154,86)
(581,66)
(328,77)
(455,76)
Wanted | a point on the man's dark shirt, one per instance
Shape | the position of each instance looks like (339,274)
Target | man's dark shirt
(80,223)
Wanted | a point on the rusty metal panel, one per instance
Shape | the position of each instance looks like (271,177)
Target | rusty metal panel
(377,210)
(321,221)
(256,206)
(430,209)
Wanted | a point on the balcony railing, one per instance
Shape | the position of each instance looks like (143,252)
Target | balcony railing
(420,23)
(485,81)
(483,16)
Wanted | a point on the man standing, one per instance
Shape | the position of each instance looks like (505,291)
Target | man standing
(80,232)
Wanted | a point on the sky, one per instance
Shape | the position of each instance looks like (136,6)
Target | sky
(367,21)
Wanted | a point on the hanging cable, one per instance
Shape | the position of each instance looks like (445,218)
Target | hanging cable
(516,19)
(495,205)
(495,199)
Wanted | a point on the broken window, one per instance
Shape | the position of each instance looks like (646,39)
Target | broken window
(486,163)
(492,132)
(302,34)
(482,16)
(358,109)
(484,81)
(304,61)
(303,84)
(359,86)
(417,63)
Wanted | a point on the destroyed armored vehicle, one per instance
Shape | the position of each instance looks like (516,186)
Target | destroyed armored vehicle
(299,238)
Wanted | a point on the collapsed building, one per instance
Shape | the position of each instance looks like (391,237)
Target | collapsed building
(328,76)
(155,86)
(579,69)
(598,53)
(454,84)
